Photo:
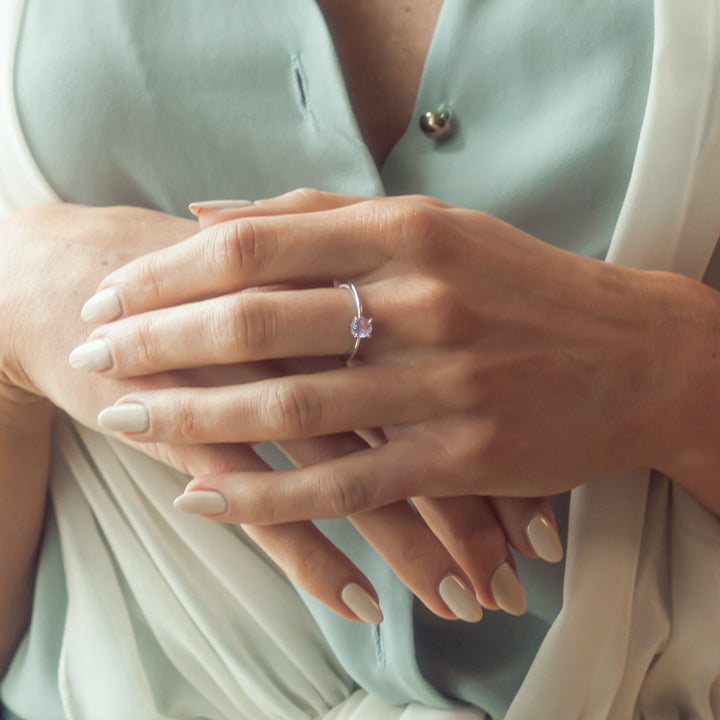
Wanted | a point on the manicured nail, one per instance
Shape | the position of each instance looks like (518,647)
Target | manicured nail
(460,599)
(102,307)
(125,417)
(361,602)
(201,502)
(544,539)
(195,207)
(508,590)
(91,356)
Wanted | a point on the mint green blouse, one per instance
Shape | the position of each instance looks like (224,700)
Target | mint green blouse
(159,103)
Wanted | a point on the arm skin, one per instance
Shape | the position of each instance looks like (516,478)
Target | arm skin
(25,426)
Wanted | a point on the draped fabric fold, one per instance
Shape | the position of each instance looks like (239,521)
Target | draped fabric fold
(233,637)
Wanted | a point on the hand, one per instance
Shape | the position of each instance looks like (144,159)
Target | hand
(499,365)
(53,256)
(469,529)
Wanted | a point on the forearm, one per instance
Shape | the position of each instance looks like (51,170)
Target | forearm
(24,457)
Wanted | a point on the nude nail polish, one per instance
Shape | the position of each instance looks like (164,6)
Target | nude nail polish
(359,600)
(195,207)
(460,599)
(91,356)
(125,417)
(544,539)
(102,307)
(508,590)
(201,502)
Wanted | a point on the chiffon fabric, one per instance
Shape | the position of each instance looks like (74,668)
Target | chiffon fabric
(639,632)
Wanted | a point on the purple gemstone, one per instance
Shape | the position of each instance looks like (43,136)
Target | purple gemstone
(361,327)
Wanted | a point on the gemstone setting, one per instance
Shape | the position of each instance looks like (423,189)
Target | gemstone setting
(361,327)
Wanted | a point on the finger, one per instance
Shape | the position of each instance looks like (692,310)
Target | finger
(472,534)
(308,558)
(402,537)
(201,459)
(397,532)
(239,327)
(530,526)
(419,560)
(305,248)
(258,325)
(336,488)
(300,200)
(320,573)
(321,449)
(278,409)
(313,563)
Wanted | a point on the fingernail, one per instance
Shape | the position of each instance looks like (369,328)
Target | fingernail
(460,599)
(125,417)
(91,356)
(195,207)
(102,307)
(544,539)
(201,502)
(508,590)
(361,602)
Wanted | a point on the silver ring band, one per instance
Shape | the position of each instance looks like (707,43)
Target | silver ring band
(360,327)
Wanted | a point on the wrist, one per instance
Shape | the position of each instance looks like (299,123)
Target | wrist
(17,404)
(686,422)
(22,414)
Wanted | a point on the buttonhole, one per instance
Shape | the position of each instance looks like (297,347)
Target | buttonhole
(300,83)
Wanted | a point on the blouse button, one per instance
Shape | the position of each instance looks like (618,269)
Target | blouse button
(438,124)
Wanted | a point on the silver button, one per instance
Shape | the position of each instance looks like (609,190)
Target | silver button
(438,124)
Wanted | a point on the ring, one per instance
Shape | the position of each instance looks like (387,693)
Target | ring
(360,327)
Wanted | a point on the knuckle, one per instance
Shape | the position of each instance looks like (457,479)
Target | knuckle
(255,324)
(222,326)
(218,465)
(442,313)
(262,506)
(150,276)
(292,410)
(239,327)
(304,196)
(492,452)
(187,428)
(169,455)
(417,549)
(345,495)
(485,538)
(235,249)
(144,345)
(466,383)
(423,240)
(421,217)
(310,564)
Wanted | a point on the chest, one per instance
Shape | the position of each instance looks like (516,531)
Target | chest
(382,46)
(154,106)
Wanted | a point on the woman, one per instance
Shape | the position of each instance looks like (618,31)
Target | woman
(587,689)
(136,228)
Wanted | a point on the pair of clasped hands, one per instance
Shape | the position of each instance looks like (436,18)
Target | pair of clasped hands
(495,376)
